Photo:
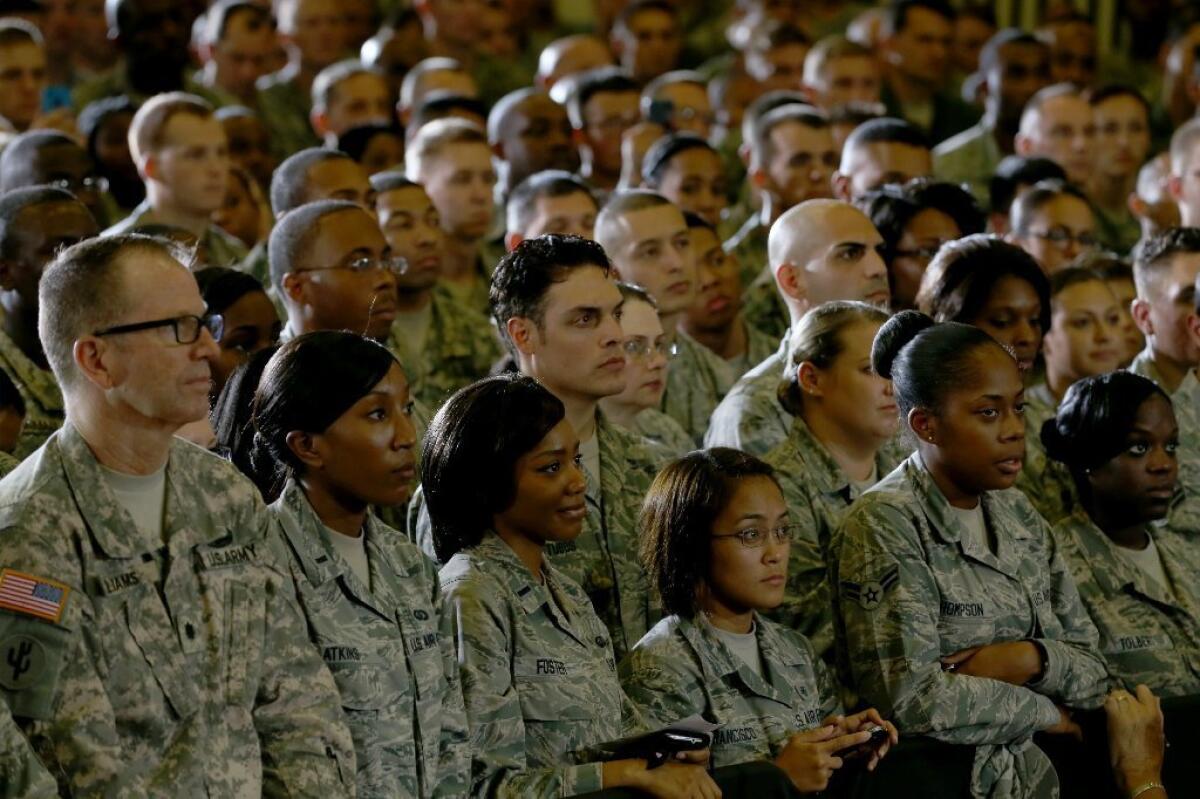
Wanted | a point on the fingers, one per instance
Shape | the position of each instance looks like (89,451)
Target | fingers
(960,656)
(815,735)
(893,733)
(707,788)
(868,716)
(844,741)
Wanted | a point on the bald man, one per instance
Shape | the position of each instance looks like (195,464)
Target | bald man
(571,55)
(528,132)
(1151,201)
(819,251)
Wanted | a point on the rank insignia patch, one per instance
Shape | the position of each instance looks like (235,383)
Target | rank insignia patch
(871,593)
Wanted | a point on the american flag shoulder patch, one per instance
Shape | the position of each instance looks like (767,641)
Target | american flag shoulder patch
(31,595)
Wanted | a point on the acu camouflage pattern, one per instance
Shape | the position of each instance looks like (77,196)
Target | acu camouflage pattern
(538,675)
(697,379)
(682,668)
(218,247)
(913,587)
(181,669)
(818,494)
(1148,633)
(460,347)
(44,408)
(603,560)
(390,649)
(22,775)
(663,433)
(1047,483)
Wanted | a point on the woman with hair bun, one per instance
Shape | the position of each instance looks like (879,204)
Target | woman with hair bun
(961,620)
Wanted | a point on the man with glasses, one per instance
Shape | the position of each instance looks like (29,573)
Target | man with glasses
(1054,223)
(679,102)
(603,105)
(35,223)
(149,627)
(183,157)
(51,158)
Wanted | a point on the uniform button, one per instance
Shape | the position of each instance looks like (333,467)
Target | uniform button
(189,630)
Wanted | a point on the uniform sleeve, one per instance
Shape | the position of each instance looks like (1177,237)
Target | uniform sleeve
(1075,671)
(307,748)
(483,635)
(22,775)
(828,689)
(663,681)
(454,756)
(888,598)
(807,606)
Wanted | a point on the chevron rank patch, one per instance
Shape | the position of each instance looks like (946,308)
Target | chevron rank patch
(869,595)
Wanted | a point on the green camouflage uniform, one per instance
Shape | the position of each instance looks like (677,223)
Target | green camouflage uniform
(970,158)
(1143,364)
(1148,634)
(818,494)
(390,650)
(284,108)
(222,249)
(697,379)
(750,417)
(663,433)
(762,307)
(460,347)
(759,347)
(1046,482)
(181,669)
(22,775)
(914,587)
(115,82)
(7,463)
(749,246)
(682,668)
(603,560)
(44,409)
(538,675)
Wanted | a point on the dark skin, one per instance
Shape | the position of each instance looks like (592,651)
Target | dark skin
(69,162)
(154,36)
(39,232)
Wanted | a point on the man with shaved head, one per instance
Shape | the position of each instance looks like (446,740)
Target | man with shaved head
(647,239)
(571,55)
(821,250)
(528,132)
(1058,124)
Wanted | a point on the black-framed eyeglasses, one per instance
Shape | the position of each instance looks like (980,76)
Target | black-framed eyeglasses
(396,264)
(1061,237)
(187,328)
(756,537)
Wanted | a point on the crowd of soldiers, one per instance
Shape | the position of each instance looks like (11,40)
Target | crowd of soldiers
(442,399)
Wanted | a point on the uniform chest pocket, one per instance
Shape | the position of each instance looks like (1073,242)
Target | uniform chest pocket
(551,688)
(371,686)
(965,623)
(242,640)
(423,646)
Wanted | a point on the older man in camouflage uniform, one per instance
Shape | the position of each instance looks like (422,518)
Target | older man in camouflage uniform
(150,633)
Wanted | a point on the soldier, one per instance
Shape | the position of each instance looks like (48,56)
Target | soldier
(149,622)
(687,170)
(1054,222)
(602,106)
(529,133)
(647,238)
(715,536)
(1117,435)
(34,223)
(538,671)
(52,158)
(552,201)
(182,155)
(251,324)
(880,151)
(648,357)
(836,448)
(24,774)
(235,44)
(319,174)
(962,623)
(821,250)
(348,94)
(371,598)
(443,344)
(1165,269)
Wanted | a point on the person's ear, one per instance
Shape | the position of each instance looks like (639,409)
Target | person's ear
(615,272)
(498,150)
(1139,309)
(810,379)
(578,137)
(511,240)
(1193,328)
(1022,145)
(758,178)
(319,121)
(306,448)
(924,425)
(840,184)
(91,358)
(1136,205)
(293,286)
(148,166)
(790,280)
(1175,187)
(523,334)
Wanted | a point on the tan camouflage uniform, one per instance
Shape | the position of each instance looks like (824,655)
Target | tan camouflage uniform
(220,248)
(663,433)
(750,417)
(697,379)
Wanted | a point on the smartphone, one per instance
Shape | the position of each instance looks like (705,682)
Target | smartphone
(867,747)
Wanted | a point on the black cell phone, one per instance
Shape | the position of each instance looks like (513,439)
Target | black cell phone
(867,747)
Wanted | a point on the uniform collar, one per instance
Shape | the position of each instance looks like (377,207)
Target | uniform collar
(1117,574)
(941,515)
(820,466)
(718,661)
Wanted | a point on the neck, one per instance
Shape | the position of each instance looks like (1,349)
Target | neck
(527,550)
(908,90)
(413,301)
(1118,527)
(670,323)
(338,512)
(956,495)
(728,341)
(167,213)
(1111,192)
(1003,132)
(121,441)
(854,454)
(1171,371)
(622,414)
(723,617)
(20,324)
(592,174)
(458,261)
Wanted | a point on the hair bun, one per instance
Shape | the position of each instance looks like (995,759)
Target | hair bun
(895,334)
(1056,446)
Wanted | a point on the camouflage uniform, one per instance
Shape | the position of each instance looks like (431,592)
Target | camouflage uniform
(913,587)
(181,669)
(1185,508)
(697,379)
(1047,483)
(222,249)
(749,246)
(762,307)
(460,347)
(818,494)
(538,675)
(663,432)
(390,650)
(284,108)
(7,463)
(750,417)
(603,560)
(44,409)
(22,775)
(115,82)
(1143,364)
(1147,634)
(682,668)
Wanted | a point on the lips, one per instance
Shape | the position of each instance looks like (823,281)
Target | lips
(613,364)
(573,512)
(682,287)
(1011,466)
(774,579)
(718,303)
(1161,492)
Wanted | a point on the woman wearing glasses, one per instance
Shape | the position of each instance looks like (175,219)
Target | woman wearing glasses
(647,359)
(251,323)
(715,536)
(844,415)
(1054,223)
(961,620)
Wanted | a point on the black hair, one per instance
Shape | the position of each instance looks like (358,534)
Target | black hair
(344,365)
(292,235)
(14,203)
(638,6)
(1093,421)
(468,453)
(19,157)
(96,113)
(693,220)
(221,287)
(1072,275)
(892,207)
(1111,90)
(887,130)
(443,104)
(675,526)
(926,361)
(1037,197)
(289,184)
(895,15)
(964,273)
(525,275)
(393,180)
(10,396)
(355,141)
(989,55)
(659,156)
(600,80)
(1015,170)
(522,201)
(231,410)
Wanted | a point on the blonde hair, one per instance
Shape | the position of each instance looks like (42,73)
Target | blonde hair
(817,339)
(151,120)
(435,136)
